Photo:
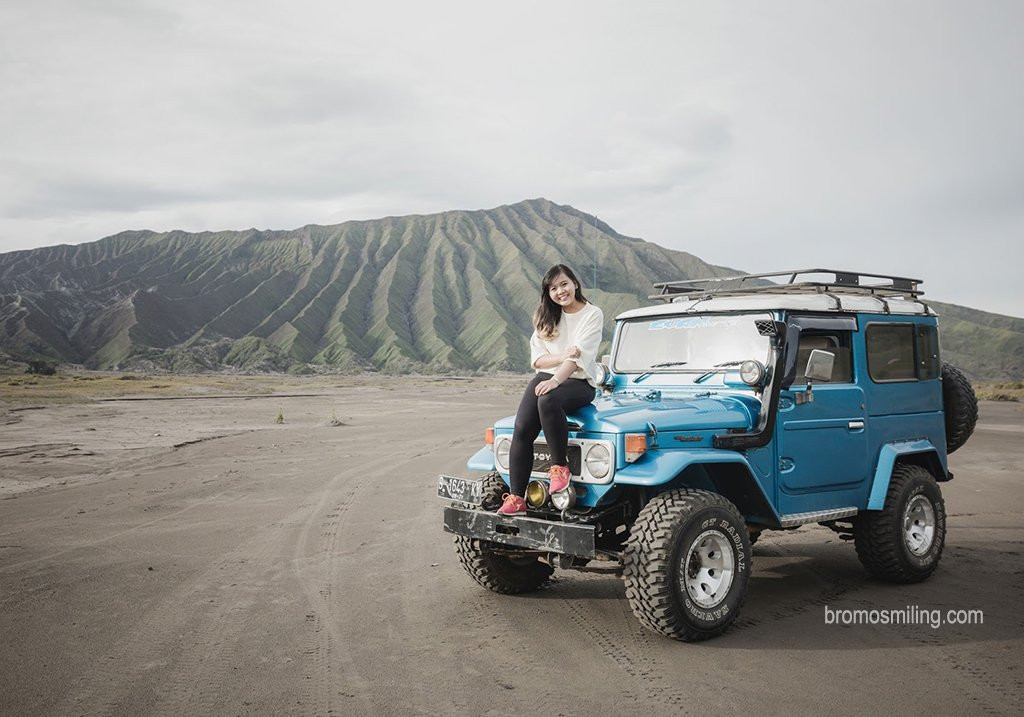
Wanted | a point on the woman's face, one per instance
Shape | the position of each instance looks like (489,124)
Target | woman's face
(562,291)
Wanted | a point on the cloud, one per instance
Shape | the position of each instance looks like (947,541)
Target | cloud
(644,154)
(871,136)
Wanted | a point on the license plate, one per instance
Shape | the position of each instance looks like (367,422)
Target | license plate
(542,459)
(462,490)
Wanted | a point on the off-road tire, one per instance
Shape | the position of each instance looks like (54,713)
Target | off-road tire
(881,536)
(960,406)
(494,487)
(499,573)
(666,533)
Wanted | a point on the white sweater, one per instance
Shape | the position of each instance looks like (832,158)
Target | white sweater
(581,329)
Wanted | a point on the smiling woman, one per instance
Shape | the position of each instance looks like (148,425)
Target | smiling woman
(563,351)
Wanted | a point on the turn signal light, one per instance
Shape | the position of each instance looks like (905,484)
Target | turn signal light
(489,436)
(636,446)
(536,493)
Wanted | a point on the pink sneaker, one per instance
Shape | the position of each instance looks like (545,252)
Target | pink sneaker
(558,478)
(512,505)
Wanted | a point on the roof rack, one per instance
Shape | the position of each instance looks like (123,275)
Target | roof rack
(846,282)
(879,286)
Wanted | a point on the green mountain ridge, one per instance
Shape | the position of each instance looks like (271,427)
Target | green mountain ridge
(444,292)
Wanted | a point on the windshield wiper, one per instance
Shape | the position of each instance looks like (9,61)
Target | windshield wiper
(705,376)
(645,374)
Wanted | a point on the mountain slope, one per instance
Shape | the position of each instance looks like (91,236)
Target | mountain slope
(446,291)
(988,346)
(441,292)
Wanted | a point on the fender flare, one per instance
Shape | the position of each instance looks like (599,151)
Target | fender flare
(482,460)
(660,468)
(887,457)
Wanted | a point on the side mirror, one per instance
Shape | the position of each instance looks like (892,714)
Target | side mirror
(819,368)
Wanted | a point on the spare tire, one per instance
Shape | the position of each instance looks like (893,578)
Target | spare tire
(960,406)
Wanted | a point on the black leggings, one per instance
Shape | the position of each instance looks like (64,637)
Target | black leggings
(547,412)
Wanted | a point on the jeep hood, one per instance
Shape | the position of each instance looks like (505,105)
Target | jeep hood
(631,413)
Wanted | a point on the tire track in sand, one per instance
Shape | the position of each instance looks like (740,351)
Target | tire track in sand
(316,570)
(322,629)
(617,642)
(202,640)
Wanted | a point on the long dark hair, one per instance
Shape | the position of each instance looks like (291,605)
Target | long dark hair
(548,313)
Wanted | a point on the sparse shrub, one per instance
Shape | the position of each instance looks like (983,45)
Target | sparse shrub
(280,417)
(334,420)
(1000,391)
(41,368)
(995,395)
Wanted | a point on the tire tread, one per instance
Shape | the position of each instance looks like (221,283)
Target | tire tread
(959,405)
(496,572)
(878,545)
(648,561)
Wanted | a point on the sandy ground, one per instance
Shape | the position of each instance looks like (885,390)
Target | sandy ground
(176,557)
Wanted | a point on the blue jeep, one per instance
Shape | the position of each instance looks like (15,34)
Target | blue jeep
(735,406)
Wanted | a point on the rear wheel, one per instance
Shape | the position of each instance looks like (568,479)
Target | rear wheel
(903,542)
(687,563)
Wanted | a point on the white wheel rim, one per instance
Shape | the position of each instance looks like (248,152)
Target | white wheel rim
(919,525)
(707,571)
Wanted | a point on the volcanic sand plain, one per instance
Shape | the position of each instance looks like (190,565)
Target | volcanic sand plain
(168,547)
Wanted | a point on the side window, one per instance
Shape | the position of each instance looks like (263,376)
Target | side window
(837,342)
(928,365)
(891,352)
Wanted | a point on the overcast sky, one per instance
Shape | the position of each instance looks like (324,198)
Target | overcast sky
(877,136)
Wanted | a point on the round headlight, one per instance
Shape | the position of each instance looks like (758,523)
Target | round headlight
(751,372)
(598,461)
(565,499)
(601,375)
(502,446)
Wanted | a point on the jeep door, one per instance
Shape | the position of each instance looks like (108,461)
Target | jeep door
(822,443)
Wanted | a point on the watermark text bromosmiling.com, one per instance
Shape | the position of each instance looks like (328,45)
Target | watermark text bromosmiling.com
(909,615)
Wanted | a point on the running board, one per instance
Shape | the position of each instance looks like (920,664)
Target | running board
(815,516)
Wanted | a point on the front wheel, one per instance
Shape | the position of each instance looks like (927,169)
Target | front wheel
(902,543)
(497,571)
(505,574)
(687,564)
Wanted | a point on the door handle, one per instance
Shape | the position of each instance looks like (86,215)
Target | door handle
(856,425)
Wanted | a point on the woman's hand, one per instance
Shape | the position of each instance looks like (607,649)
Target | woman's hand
(573,352)
(546,386)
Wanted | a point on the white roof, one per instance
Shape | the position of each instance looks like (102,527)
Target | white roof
(850,303)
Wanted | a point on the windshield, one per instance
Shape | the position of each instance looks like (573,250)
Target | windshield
(689,344)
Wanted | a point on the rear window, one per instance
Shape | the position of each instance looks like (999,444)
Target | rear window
(902,352)
(928,365)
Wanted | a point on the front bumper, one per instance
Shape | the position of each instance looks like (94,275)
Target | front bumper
(519,531)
